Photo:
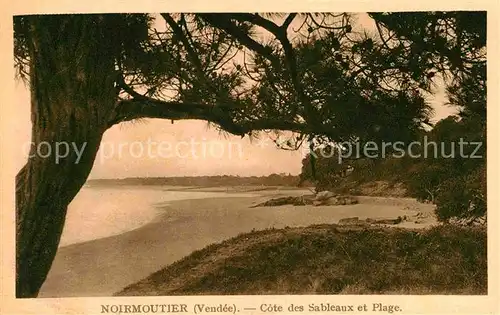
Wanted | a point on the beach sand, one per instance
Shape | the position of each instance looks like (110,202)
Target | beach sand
(104,266)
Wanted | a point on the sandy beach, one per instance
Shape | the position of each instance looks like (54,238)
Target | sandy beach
(104,266)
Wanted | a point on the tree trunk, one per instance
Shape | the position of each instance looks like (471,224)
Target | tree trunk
(72,98)
(43,191)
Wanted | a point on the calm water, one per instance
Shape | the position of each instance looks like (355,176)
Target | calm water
(98,212)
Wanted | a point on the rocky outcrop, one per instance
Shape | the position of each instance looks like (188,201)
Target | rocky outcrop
(290,200)
(324,198)
(386,221)
(335,200)
(371,221)
(352,221)
(324,195)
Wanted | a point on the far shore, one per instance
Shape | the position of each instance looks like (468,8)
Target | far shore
(242,188)
(105,266)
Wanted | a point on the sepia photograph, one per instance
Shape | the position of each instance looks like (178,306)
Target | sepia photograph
(202,154)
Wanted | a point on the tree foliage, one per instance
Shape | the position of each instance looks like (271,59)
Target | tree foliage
(246,72)
(419,48)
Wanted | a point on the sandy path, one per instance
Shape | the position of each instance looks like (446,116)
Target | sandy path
(103,267)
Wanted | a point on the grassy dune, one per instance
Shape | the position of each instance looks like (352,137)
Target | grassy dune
(330,259)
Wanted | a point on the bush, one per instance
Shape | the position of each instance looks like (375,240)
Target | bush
(457,184)
(463,198)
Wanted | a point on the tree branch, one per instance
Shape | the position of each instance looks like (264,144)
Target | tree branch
(146,107)
(281,34)
(185,42)
(288,20)
(142,106)
(219,20)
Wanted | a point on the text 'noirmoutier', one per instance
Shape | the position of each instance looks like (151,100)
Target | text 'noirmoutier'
(232,309)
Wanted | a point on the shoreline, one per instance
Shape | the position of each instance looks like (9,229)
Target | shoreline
(104,266)
(115,211)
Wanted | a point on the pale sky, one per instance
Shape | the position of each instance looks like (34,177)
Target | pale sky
(185,148)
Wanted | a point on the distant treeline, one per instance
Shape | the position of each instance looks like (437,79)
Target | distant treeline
(206,181)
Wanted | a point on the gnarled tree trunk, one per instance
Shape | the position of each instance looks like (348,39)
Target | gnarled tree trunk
(72,98)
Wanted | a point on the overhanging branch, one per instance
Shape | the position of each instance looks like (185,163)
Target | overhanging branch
(146,107)
(127,110)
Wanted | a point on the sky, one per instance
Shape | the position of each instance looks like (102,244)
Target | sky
(157,148)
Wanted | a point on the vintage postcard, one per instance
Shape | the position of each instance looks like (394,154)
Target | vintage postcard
(288,157)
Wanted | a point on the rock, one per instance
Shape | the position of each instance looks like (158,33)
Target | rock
(278,202)
(317,203)
(281,201)
(334,201)
(354,201)
(341,200)
(324,195)
(309,200)
(385,221)
(349,221)
(421,215)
